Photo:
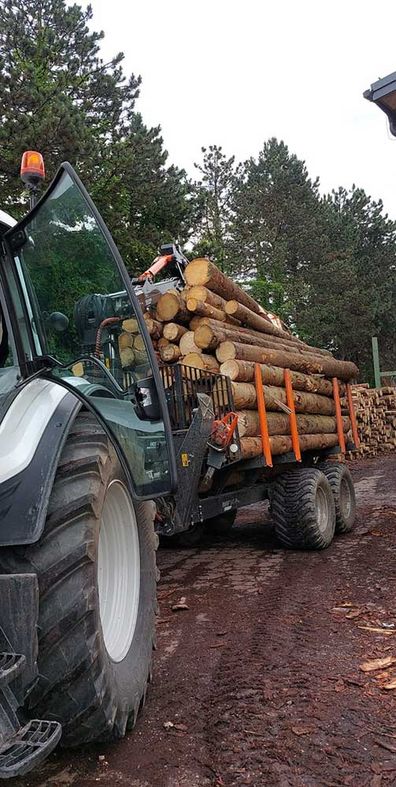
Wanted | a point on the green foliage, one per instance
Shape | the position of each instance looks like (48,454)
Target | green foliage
(57,95)
(214,191)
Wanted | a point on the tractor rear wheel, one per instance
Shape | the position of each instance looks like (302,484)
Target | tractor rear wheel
(303,510)
(95,564)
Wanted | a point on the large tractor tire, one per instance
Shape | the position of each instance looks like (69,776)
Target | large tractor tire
(303,509)
(343,490)
(95,564)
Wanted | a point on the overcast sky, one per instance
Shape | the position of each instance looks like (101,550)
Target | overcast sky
(236,73)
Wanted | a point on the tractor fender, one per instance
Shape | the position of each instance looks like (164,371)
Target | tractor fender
(33,430)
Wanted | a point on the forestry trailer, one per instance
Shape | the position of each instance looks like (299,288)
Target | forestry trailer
(98,458)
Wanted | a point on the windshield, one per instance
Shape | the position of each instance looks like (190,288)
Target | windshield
(75,289)
(70,302)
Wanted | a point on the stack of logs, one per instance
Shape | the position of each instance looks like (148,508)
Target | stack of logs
(375,410)
(216,326)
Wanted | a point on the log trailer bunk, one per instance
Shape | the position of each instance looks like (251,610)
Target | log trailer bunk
(85,447)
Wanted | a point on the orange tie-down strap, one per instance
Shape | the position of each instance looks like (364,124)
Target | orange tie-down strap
(292,416)
(265,441)
(340,426)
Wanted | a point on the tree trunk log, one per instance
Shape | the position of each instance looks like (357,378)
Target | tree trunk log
(243,371)
(125,340)
(153,326)
(174,332)
(130,325)
(172,308)
(248,318)
(201,361)
(127,357)
(280,444)
(210,333)
(205,309)
(170,354)
(162,342)
(203,272)
(207,296)
(244,395)
(279,424)
(310,364)
(253,319)
(187,344)
(195,323)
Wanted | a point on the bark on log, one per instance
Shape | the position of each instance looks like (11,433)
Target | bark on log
(210,333)
(309,364)
(172,308)
(281,444)
(203,309)
(174,332)
(244,395)
(154,327)
(195,323)
(203,272)
(187,344)
(201,361)
(162,342)
(243,371)
(248,318)
(207,296)
(170,354)
(279,423)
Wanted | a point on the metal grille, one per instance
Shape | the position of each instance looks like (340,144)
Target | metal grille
(183,383)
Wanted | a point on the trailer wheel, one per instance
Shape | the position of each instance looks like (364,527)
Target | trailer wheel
(341,483)
(222,524)
(303,509)
(95,564)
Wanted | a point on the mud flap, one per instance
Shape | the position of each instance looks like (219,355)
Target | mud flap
(22,744)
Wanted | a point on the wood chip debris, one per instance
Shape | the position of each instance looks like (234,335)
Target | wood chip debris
(377,664)
(181,604)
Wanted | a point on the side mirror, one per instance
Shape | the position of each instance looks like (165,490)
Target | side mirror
(147,398)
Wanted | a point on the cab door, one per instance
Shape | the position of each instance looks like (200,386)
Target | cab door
(78,321)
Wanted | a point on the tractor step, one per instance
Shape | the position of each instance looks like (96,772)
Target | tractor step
(11,665)
(28,747)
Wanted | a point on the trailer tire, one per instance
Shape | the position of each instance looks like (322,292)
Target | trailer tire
(303,509)
(93,671)
(340,480)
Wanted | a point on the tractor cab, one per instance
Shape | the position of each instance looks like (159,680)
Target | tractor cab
(67,300)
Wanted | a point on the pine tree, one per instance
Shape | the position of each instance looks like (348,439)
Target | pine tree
(57,95)
(214,194)
(275,233)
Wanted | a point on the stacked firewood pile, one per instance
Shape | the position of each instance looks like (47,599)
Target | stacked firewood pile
(375,410)
(214,325)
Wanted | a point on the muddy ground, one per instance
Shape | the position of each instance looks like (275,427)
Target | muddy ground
(259,681)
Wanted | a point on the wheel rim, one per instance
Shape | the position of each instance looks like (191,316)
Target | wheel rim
(345,498)
(118,571)
(322,509)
